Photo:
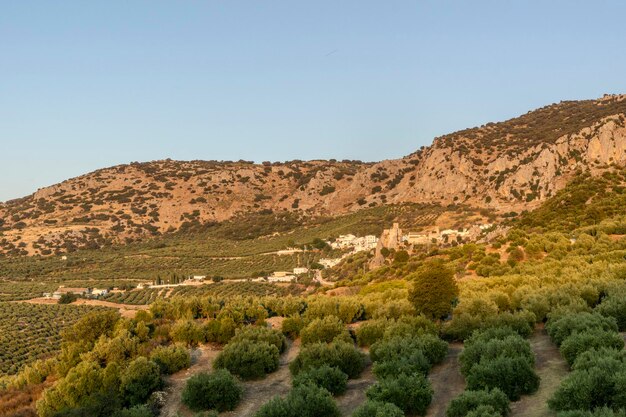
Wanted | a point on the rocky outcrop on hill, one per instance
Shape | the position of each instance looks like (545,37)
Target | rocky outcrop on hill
(508,166)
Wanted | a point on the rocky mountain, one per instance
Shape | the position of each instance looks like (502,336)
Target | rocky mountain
(508,166)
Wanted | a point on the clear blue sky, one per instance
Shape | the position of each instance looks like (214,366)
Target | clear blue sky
(86,84)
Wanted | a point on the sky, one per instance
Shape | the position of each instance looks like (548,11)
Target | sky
(86,85)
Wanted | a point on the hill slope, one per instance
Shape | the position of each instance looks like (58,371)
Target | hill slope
(507,166)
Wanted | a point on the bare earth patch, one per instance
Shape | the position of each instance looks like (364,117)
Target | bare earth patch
(551,368)
(202,359)
(447,381)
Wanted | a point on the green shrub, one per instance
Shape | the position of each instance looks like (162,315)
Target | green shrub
(260,334)
(324,330)
(218,390)
(600,412)
(171,358)
(416,362)
(614,307)
(578,343)
(411,393)
(514,376)
(377,409)
(475,351)
(410,326)
(484,411)
(139,379)
(137,411)
(371,331)
(248,359)
(469,401)
(331,379)
(433,348)
(341,355)
(292,326)
(561,328)
(302,401)
(188,332)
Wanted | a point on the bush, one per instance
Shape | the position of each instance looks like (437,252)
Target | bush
(325,330)
(598,379)
(377,409)
(218,390)
(341,355)
(260,334)
(578,343)
(514,376)
(371,331)
(171,358)
(561,328)
(410,326)
(331,379)
(600,412)
(137,411)
(292,326)
(431,347)
(411,393)
(484,411)
(469,401)
(248,359)
(434,290)
(302,401)
(614,307)
(138,380)
(187,332)
(477,350)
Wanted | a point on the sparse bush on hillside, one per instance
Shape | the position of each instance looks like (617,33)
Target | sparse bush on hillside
(341,355)
(171,359)
(378,409)
(248,359)
(302,401)
(331,379)
(325,330)
(218,390)
(469,401)
(411,393)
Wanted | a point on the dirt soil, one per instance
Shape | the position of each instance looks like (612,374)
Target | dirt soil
(446,380)
(355,394)
(552,368)
(202,359)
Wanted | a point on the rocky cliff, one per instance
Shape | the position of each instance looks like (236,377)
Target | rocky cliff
(509,166)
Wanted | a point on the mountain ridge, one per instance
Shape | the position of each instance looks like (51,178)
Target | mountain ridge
(509,166)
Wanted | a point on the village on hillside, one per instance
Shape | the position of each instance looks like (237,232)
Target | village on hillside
(390,239)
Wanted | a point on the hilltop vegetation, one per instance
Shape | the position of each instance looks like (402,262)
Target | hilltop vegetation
(506,166)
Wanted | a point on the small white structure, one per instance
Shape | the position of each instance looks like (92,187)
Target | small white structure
(300,270)
(281,278)
(329,262)
(199,277)
(99,292)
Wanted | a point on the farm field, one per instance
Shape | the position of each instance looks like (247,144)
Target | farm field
(32,331)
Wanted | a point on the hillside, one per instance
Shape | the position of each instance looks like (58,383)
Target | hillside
(509,166)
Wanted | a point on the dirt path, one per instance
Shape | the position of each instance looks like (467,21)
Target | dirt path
(446,380)
(355,394)
(257,393)
(551,367)
(201,361)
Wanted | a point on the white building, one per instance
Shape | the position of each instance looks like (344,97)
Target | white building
(329,262)
(300,270)
(97,292)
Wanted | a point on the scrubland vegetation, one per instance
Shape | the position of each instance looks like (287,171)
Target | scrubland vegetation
(399,321)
